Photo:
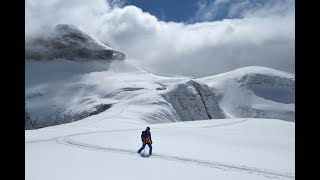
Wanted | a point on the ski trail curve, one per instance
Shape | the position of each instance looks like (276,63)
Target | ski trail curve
(67,140)
(213,164)
(92,132)
(226,124)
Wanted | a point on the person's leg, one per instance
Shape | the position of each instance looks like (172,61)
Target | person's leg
(143,146)
(150,148)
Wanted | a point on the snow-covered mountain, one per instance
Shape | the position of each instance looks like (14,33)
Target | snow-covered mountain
(257,92)
(84,114)
(63,91)
(68,42)
(76,84)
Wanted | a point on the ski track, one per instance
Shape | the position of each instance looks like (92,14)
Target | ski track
(112,116)
(226,124)
(67,140)
(92,132)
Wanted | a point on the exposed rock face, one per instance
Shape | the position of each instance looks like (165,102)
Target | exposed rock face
(69,42)
(27,121)
(32,122)
(193,100)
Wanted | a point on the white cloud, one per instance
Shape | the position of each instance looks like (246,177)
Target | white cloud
(41,14)
(271,8)
(175,48)
(209,10)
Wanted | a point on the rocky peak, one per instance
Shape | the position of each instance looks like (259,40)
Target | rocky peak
(69,42)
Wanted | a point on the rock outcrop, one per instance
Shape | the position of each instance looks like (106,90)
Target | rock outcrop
(193,100)
(69,42)
(27,121)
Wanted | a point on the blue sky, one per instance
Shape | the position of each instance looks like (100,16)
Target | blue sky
(191,11)
(168,10)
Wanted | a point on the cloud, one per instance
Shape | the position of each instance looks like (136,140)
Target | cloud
(198,49)
(117,3)
(268,8)
(41,15)
(209,10)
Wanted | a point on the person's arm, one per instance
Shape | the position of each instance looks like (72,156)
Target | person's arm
(150,137)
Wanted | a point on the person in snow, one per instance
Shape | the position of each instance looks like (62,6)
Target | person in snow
(146,139)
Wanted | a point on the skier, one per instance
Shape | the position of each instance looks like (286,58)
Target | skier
(146,139)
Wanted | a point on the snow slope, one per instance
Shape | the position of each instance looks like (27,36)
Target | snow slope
(257,92)
(81,81)
(90,114)
(95,148)
(64,91)
(116,100)
(104,145)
